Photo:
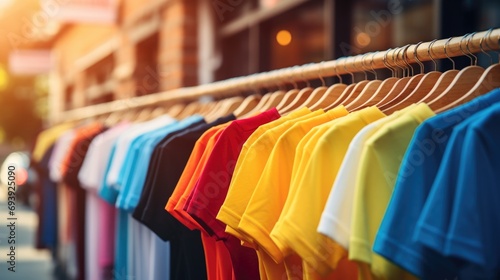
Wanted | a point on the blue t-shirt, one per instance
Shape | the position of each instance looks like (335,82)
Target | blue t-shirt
(415,179)
(107,192)
(466,193)
(140,154)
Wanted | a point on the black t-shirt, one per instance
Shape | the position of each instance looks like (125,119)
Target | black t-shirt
(187,255)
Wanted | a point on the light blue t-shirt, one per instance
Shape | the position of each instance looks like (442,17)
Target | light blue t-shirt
(139,156)
(127,170)
(415,179)
(106,192)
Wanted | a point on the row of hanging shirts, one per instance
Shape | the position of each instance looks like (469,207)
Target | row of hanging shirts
(371,180)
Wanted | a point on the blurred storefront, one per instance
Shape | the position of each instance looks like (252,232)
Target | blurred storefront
(116,49)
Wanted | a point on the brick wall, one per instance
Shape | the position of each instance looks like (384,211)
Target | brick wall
(177,50)
(178,45)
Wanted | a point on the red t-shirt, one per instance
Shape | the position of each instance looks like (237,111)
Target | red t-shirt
(211,190)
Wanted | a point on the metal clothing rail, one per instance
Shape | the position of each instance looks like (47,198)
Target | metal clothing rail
(437,49)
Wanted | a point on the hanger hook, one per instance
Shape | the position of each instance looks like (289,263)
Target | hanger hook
(446,53)
(253,79)
(467,47)
(403,66)
(464,53)
(498,42)
(429,53)
(486,36)
(281,82)
(415,53)
(371,65)
(320,73)
(363,66)
(335,65)
(394,61)
(301,70)
(386,64)
(405,59)
(291,80)
(345,68)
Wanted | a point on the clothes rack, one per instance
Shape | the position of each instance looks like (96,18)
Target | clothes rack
(411,53)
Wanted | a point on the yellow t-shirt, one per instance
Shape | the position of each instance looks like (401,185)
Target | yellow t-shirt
(47,138)
(381,156)
(251,162)
(269,196)
(298,227)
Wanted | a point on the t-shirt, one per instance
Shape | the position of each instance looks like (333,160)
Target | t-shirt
(249,167)
(61,149)
(265,205)
(133,175)
(123,144)
(47,208)
(47,138)
(150,254)
(187,256)
(71,166)
(100,216)
(415,178)
(380,161)
(336,218)
(293,263)
(202,148)
(212,186)
(298,228)
(172,156)
(218,260)
(463,199)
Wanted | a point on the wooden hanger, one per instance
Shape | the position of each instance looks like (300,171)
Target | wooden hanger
(399,85)
(206,108)
(274,99)
(227,107)
(344,94)
(156,112)
(175,110)
(143,115)
(113,118)
(426,83)
(289,97)
(317,93)
(358,88)
(367,92)
(189,110)
(383,89)
(465,80)
(488,81)
(213,111)
(412,84)
(301,97)
(444,80)
(258,108)
(332,94)
(247,105)
(299,100)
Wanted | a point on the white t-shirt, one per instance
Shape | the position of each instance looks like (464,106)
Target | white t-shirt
(336,218)
(90,176)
